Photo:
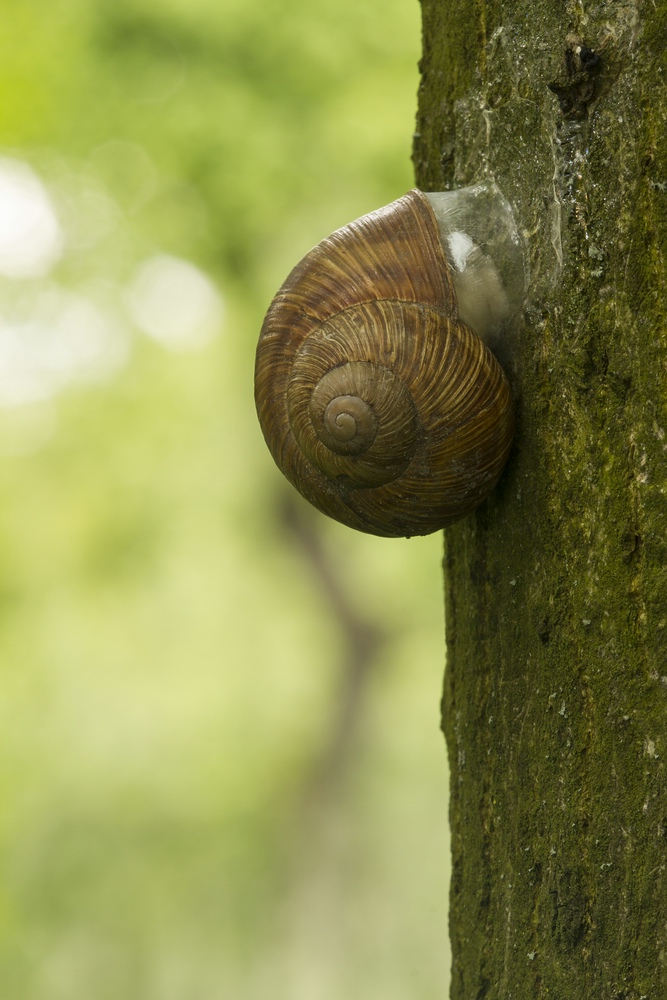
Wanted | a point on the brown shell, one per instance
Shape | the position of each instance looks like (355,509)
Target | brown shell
(377,403)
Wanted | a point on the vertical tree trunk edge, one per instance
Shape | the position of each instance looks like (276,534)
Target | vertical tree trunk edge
(555,695)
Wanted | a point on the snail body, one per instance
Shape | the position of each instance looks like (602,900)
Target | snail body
(377,401)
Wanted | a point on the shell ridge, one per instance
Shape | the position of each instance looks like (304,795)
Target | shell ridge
(374,253)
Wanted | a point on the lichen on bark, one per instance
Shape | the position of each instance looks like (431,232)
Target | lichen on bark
(555,698)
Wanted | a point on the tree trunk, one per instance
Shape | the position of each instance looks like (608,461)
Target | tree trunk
(555,701)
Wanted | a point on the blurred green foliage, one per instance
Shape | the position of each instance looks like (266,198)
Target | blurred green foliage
(173,657)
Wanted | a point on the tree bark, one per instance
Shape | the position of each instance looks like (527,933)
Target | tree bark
(555,698)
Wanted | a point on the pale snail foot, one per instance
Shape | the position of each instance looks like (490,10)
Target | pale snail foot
(484,250)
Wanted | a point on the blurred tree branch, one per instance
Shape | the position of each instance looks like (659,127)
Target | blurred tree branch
(362,640)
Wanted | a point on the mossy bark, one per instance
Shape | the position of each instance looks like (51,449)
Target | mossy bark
(555,701)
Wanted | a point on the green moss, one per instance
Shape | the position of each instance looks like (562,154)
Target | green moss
(554,705)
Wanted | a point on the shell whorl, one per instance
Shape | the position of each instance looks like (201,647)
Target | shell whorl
(383,409)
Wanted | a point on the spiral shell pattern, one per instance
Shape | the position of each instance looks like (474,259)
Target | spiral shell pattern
(378,404)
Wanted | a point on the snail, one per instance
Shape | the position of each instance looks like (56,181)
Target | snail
(375,390)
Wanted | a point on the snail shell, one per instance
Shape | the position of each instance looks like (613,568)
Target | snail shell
(377,402)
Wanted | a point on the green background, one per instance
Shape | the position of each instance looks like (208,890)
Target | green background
(184,815)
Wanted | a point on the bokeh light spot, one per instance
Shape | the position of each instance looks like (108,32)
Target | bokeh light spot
(63,338)
(30,235)
(176,304)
